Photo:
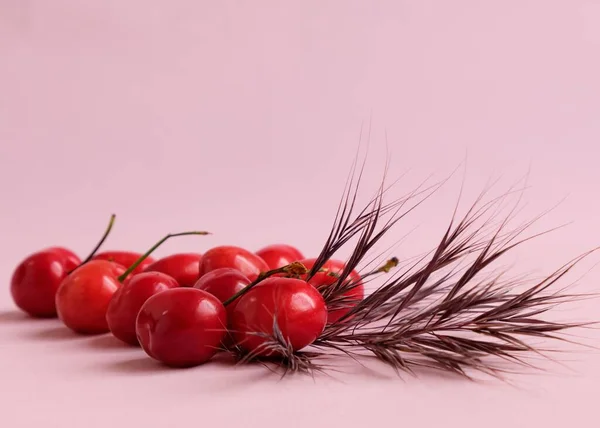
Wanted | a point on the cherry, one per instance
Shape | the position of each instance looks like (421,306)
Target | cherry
(223,283)
(181,327)
(126,302)
(294,306)
(83,297)
(184,267)
(237,258)
(70,256)
(125,258)
(36,279)
(327,276)
(279,255)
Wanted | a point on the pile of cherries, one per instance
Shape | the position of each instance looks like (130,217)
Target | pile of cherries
(184,308)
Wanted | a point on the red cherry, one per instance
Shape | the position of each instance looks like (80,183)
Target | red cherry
(184,267)
(237,258)
(223,283)
(36,279)
(333,266)
(279,255)
(70,256)
(296,306)
(83,297)
(125,304)
(124,258)
(324,279)
(181,327)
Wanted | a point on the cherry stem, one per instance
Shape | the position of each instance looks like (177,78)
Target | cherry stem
(385,268)
(293,269)
(99,244)
(154,247)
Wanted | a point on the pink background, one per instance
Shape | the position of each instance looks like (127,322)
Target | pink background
(242,117)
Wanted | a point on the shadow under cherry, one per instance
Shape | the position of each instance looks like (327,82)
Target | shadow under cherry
(107,342)
(136,366)
(144,364)
(54,333)
(14,317)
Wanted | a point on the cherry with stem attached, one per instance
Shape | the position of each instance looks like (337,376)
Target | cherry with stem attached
(294,269)
(265,317)
(183,327)
(83,298)
(275,315)
(36,279)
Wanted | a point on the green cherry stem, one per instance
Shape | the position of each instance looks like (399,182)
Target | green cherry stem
(293,269)
(99,244)
(154,247)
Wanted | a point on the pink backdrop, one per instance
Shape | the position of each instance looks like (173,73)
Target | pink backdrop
(242,117)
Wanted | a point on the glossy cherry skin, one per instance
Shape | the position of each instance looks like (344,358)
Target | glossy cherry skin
(70,257)
(299,310)
(125,258)
(181,327)
(36,279)
(279,255)
(127,301)
(237,258)
(323,279)
(184,267)
(223,283)
(84,295)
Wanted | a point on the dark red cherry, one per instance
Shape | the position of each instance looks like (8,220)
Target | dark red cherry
(237,258)
(279,255)
(83,296)
(223,283)
(324,279)
(184,267)
(181,327)
(127,301)
(36,279)
(70,257)
(295,306)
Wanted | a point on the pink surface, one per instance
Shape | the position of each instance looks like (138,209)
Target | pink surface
(242,117)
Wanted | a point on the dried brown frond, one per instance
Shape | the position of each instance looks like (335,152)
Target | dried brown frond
(453,309)
(348,225)
(458,321)
(281,354)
